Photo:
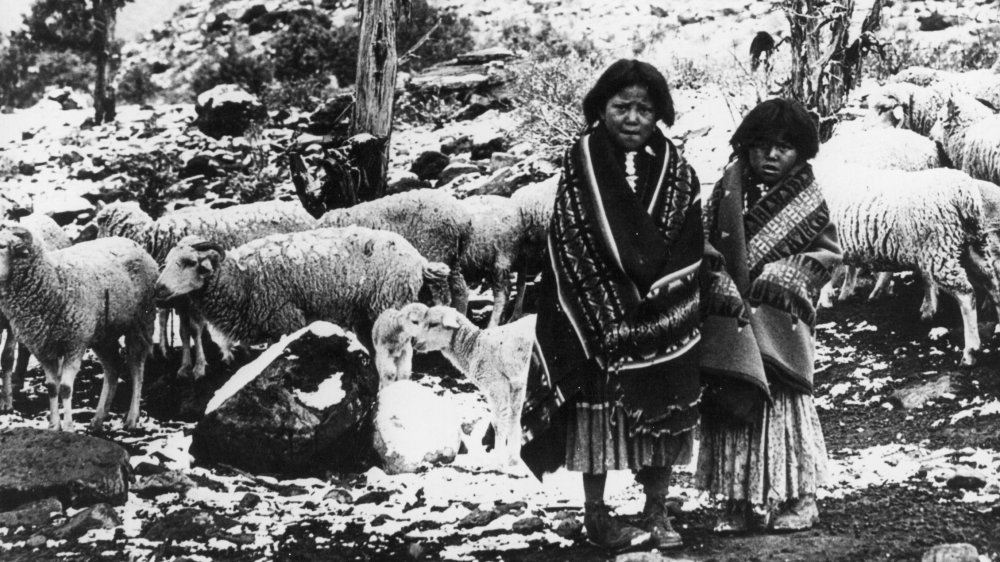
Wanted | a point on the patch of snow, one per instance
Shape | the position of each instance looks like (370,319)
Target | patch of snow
(937,333)
(330,392)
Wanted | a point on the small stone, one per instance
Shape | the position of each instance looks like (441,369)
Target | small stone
(36,541)
(249,501)
(918,395)
(528,525)
(957,552)
(502,160)
(478,518)
(430,164)
(100,516)
(173,481)
(339,495)
(456,169)
(966,478)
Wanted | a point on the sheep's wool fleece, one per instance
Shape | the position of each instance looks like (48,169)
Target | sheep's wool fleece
(618,316)
(765,264)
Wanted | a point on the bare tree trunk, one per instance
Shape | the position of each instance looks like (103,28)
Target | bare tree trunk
(824,70)
(375,86)
(104,30)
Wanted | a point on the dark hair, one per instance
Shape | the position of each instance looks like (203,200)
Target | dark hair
(622,74)
(778,118)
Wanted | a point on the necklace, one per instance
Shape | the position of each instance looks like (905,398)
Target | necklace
(630,174)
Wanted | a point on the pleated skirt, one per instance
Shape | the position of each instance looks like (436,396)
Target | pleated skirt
(598,440)
(780,457)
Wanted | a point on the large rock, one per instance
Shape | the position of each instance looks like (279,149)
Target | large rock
(958,552)
(303,406)
(78,469)
(227,110)
(413,425)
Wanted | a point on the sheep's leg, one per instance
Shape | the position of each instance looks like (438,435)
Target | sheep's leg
(929,306)
(67,374)
(499,299)
(967,304)
(21,365)
(6,366)
(404,364)
(185,370)
(881,286)
(52,370)
(850,283)
(197,328)
(521,283)
(111,362)
(459,291)
(514,436)
(137,348)
(164,318)
(386,367)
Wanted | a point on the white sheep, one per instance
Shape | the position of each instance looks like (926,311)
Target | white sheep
(940,222)
(535,202)
(970,134)
(435,223)
(277,284)
(495,359)
(910,106)
(983,84)
(63,302)
(391,338)
(51,235)
(228,227)
(495,245)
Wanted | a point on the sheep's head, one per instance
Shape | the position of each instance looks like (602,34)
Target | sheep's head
(15,242)
(893,105)
(437,328)
(189,267)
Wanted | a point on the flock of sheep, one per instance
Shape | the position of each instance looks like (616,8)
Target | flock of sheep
(911,187)
(899,208)
(250,272)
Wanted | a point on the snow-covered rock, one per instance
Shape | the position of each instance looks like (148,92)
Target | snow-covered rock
(413,425)
(227,110)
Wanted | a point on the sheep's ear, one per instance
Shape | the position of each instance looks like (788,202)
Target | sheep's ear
(450,319)
(897,114)
(205,265)
(415,314)
(23,245)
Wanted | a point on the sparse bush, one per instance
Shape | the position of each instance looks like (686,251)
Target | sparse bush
(543,41)
(956,55)
(550,92)
(258,181)
(426,109)
(148,175)
(135,84)
(305,94)
(24,74)
(237,65)
(306,47)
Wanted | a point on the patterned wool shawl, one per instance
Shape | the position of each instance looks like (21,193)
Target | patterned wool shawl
(623,288)
(773,257)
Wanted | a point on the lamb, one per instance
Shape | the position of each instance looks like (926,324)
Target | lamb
(435,223)
(391,337)
(63,302)
(229,227)
(970,135)
(495,359)
(496,242)
(280,283)
(52,237)
(940,222)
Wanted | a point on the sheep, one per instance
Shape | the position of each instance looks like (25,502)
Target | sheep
(941,222)
(909,106)
(535,203)
(970,135)
(983,84)
(497,235)
(52,237)
(228,227)
(435,223)
(495,359)
(280,283)
(391,337)
(63,302)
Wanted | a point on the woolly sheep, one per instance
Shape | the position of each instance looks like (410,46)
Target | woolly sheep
(391,337)
(277,284)
(495,359)
(535,202)
(495,245)
(52,237)
(228,227)
(63,302)
(881,148)
(909,106)
(983,84)
(435,223)
(940,222)
(970,135)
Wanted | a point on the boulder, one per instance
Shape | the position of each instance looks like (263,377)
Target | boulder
(100,516)
(959,552)
(31,514)
(456,169)
(917,395)
(429,164)
(967,478)
(399,181)
(485,150)
(227,110)
(303,406)
(936,22)
(79,470)
(413,425)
